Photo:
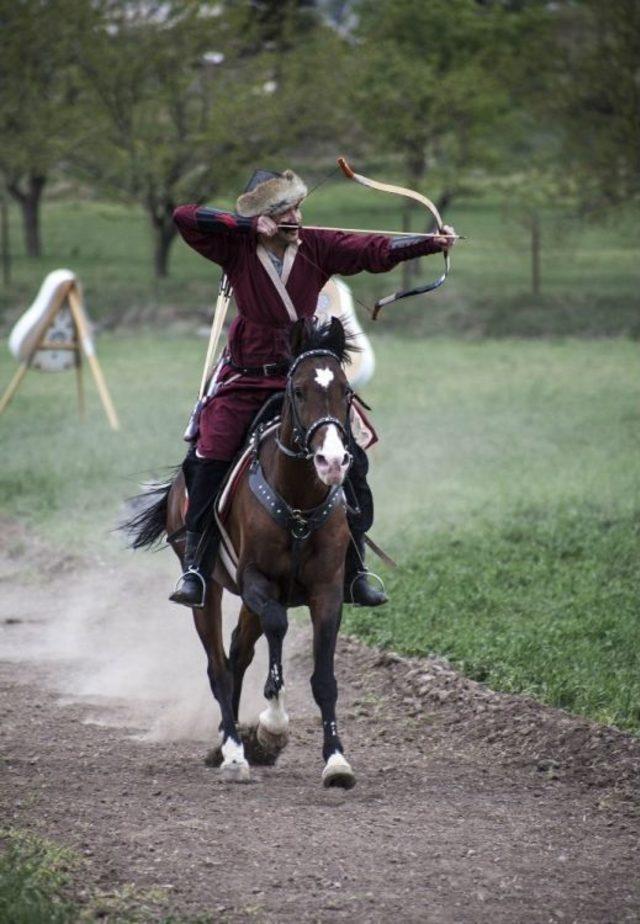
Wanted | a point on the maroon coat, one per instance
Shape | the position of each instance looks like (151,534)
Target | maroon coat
(260,332)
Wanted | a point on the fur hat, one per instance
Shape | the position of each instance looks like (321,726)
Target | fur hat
(268,193)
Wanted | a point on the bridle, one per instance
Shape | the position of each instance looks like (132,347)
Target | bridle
(302,435)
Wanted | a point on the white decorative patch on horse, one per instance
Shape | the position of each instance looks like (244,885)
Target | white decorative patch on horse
(337,761)
(232,752)
(337,771)
(274,718)
(324,377)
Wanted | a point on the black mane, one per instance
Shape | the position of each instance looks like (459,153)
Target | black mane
(313,334)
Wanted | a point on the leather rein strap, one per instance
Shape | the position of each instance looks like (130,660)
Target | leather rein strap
(302,436)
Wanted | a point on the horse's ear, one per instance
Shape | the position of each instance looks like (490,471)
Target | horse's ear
(338,337)
(298,336)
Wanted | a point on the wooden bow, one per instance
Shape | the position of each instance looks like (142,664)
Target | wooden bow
(417,197)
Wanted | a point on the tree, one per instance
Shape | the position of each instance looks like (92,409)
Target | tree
(39,91)
(428,90)
(598,97)
(176,111)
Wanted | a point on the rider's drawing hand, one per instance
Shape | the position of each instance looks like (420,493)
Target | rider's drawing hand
(266,226)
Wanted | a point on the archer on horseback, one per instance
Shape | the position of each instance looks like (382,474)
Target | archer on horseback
(276,274)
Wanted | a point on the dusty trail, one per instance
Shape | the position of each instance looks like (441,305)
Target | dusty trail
(469,806)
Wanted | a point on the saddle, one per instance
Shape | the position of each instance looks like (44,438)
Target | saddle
(262,425)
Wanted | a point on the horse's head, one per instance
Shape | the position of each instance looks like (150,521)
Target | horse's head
(319,398)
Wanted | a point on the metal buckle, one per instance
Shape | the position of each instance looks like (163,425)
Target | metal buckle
(269,369)
(300,528)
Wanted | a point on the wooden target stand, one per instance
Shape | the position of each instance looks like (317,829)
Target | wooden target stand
(73,335)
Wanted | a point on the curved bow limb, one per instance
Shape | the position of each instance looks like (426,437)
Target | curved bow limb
(417,197)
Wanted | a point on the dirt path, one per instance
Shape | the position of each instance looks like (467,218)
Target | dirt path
(469,806)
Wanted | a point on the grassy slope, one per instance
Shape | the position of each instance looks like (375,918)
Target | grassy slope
(506,480)
(511,488)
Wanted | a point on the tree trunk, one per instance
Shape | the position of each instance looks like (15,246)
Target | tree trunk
(407,266)
(535,253)
(164,232)
(444,201)
(29,201)
(5,245)
(416,165)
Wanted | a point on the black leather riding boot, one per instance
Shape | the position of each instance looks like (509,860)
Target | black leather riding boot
(204,478)
(357,589)
(192,588)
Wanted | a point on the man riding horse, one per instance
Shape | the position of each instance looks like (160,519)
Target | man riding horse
(276,274)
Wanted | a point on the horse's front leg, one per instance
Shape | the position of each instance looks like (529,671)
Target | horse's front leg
(243,643)
(208,620)
(259,594)
(326,613)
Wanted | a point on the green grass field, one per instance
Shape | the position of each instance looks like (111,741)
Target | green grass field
(590,272)
(507,486)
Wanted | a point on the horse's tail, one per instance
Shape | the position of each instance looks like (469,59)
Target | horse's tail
(146,526)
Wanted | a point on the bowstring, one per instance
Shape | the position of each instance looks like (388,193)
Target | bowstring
(320,270)
(308,259)
(323,180)
(370,311)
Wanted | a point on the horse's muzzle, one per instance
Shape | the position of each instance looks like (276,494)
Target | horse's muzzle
(332,469)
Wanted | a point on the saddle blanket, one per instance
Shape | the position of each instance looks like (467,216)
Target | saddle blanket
(227,554)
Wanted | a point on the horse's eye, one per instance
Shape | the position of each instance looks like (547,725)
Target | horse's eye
(298,394)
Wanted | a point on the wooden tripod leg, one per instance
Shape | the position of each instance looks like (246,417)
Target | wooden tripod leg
(33,349)
(75,304)
(79,383)
(13,385)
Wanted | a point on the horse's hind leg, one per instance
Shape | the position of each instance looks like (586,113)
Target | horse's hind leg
(259,595)
(208,622)
(326,611)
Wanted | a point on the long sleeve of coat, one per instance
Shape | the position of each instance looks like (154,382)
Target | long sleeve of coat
(213,232)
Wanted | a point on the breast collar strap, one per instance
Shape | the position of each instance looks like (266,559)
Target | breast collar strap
(300,523)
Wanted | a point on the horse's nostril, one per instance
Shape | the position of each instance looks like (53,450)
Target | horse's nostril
(322,460)
(346,458)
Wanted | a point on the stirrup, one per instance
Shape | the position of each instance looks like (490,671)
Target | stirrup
(366,574)
(194,571)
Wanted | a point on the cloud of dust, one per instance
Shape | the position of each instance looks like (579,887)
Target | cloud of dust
(110,638)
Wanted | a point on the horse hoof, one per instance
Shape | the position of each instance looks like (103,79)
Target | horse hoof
(272,742)
(235,771)
(338,772)
(256,753)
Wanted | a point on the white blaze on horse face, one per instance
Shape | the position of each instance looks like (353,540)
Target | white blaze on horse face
(332,459)
(324,377)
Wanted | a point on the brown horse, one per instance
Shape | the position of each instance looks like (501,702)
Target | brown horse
(288,527)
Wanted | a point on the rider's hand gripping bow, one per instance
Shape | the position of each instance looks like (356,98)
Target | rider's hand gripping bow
(418,197)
